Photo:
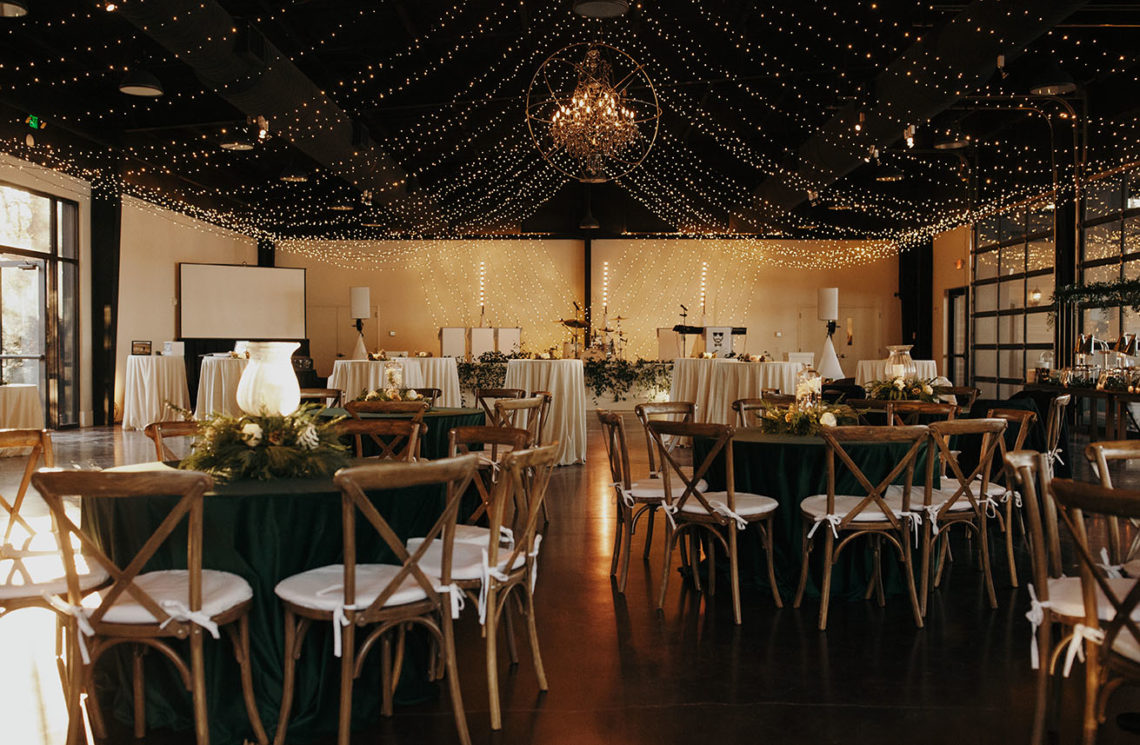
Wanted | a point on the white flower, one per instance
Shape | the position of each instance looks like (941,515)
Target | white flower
(411,395)
(392,394)
(309,439)
(251,434)
(828,419)
(927,389)
(900,383)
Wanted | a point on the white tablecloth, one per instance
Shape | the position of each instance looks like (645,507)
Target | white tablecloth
(567,420)
(354,376)
(151,383)
(868,370)
(20,407)
(714,384)
(217,386)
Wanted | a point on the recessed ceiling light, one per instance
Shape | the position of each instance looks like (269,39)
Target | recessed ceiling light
(141,83)
(13,8)
(294,175)
(237,140)
(601,8)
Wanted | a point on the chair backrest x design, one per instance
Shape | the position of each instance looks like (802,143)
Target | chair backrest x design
(617,450)
(1055,421)
(674,411)
(911,412)
(1101,456)
(462,440)
(159,431)
(414,409)
(721,436)
(188,487)
(1024,421)
(527,476)
(395,439)
(430,395)
(39,442)
(964,395)
(838,439)
(486,398)
(523,413)
(974,487)
(1032,477)
(543,414)
(745,407)
(454,474)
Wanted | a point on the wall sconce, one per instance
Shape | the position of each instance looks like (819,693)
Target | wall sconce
(1035,296)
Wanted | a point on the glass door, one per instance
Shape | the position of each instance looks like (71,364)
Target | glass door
(957,337)
(23,333)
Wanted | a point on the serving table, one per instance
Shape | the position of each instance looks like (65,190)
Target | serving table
(354,376)
(217,386)
(151,383)
(566,421)
(868,370)
(264,531)
(713,384)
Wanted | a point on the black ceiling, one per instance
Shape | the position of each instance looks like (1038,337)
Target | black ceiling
(412,110)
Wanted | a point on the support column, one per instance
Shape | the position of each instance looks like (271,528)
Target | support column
(106,229)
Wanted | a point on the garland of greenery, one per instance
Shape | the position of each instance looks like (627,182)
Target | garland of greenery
(902,389)
(1114,294)
(300,445)
(807,420)
(615,378)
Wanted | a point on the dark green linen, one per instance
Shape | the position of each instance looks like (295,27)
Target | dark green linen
(439,421)
(789,469)
(263,531)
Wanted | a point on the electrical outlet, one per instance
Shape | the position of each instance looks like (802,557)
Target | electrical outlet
(779,334)
(391,333)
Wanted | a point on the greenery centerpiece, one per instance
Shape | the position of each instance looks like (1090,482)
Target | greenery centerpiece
(902,389)
(795,419)
(389,394)
(268,446)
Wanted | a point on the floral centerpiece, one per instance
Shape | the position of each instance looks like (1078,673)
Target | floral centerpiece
(269,446)
(902,389)
(389,394)
(804,420)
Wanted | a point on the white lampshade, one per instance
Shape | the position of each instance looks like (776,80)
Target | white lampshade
(268,384)
(360,302)
(828,303)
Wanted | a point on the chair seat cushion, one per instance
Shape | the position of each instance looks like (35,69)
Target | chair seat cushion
(466,559)
(937,499)
(948,486)
(220,592)
(1065,597)
(44,574)
(476,534)
(323,588)
(747,505)
(654,489)
(1131,568)
(816,506)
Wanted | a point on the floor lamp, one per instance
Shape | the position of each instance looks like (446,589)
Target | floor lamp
(828,305)
(360,305)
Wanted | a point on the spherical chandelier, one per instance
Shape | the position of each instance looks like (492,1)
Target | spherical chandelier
(592,112)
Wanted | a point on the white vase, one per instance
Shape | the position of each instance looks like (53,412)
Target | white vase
(268,385)
(899,363)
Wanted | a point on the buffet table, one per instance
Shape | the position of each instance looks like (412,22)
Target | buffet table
(217,386)
(566,422)
(151,383)
(713,384)
(264,531)
(868,370)
(354,376)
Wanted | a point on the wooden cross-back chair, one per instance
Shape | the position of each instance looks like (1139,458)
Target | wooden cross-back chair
(713,516)
(674,411)
(476,438)
(523,413)
(430,395)
(1024,421)
(486,398)
(1109,628)
(158,432)
(745,409)
(880,513)
(960,499)
(382,599)
(146,609)
(869,411)
(493,572)
(1102,456)
(327,397)
(395,439)
(1054,424)
(543,415)
(914,412)
(413,409)
(964,395)
(770,392)
(779,399)
(38,442)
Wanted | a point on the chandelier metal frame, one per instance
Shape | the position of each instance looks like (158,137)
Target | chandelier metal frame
(546,106)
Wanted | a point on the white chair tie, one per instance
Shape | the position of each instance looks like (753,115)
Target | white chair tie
(915,520)
(721,508)
(1036,616)
(1112,571)
(626,495)
(458,600)
(832,521)
(80,614)
(483,460)
(670,510)
(1076,644)
(991,507)
(178,611)
(506,535)
(487,572)
(339,618)
(932,511)
(1054,456)
(534,561)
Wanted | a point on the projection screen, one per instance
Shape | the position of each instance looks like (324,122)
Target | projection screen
(221,301)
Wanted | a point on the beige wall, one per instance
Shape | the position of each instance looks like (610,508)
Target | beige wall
(950,247)
(153,242)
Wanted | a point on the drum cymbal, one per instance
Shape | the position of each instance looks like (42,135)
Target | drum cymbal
(620,318)
(573,323)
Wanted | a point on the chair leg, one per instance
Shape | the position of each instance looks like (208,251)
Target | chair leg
(94,713)
(695,559)
(387,684)
(649,518)
(347,658)
(294,633)
(670,539)
(880,597)
(618,529)
(734,570)
(710,554)
(532,632)
(1089,724)
(492,649)
(624,577)
(509,630)
(924,571)
(805,553)
(198,686)
(907,558)
(943,546)
(825,592)
(76,735)
(453,678)
(398,663)
(139,684)
(766,535)
(1009,506)
(1041,697)
(240,639)
(985,541)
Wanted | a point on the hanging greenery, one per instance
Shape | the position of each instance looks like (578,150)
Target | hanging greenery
(610,378)
(1115,294)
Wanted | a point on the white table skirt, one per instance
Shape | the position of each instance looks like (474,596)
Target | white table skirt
(714,384)
(868,370)
(354,376)
(217,386)
(151,383)
(566,422)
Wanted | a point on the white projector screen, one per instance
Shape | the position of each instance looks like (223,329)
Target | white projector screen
(219,301)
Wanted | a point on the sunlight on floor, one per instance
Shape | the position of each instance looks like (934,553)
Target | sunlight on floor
(31,697)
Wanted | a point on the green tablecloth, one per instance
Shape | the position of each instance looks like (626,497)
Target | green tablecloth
(788,469)
(264,531)
(439,422)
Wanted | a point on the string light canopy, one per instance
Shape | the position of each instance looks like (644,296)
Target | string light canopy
(13,8)
(591,122)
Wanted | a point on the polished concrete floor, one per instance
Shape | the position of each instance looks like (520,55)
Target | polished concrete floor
(621,671)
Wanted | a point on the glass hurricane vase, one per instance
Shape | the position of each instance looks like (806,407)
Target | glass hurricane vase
(268,384)
(899,362)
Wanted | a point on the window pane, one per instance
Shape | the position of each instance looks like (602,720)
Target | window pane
(988,390)
(1011,294)
(988,231)
(1037,329)
(1012,365)
(1102,198)
(1106,273)
(1012,225)
(1041,255)
(985,330)
(1103,323)
(986,265)
(1011,329)
(1013,260)
(67,389)
(1102,241)
(1041,218)
(25,220)
(1040,290)
(985,363)
(67,240)
(985,298)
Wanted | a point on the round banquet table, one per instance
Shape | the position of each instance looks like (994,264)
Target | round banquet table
(439,421)
(217,386)
(868,370)
(151,383)
(354,376)
(713,384)
(20,408)
(790,468)
(566,421)
(264,531)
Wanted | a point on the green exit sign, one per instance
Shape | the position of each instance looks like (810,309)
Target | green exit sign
(35,122)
